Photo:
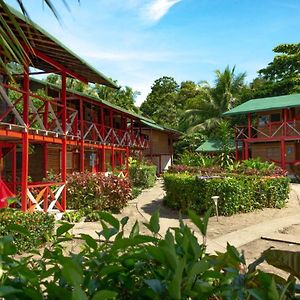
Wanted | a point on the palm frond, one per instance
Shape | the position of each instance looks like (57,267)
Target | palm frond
(13,46)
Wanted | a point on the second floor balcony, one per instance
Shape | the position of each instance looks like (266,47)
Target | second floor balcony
(269,130)
(48,117)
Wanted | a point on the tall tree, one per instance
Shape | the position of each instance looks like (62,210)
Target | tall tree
(124,97)
(282,75)
(187,90)
(160,104)
(204,112)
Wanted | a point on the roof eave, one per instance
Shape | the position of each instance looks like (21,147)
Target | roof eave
(102,78)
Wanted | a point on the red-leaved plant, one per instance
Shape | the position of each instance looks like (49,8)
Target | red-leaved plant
(97,191)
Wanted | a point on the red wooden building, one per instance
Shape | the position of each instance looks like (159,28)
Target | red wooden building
(272,131)
(63,131)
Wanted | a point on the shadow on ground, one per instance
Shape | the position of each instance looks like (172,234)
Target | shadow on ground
(165,212)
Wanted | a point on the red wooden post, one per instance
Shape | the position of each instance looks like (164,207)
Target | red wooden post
(236,150)
(45,147)
(46,200)
(112,158)
(14,168)
(64,141)
(112,141)
(25,142)
(94,121)
(249,126)
(46,113)
(103,167)
(1,161)
(246,151)
(45,153)
(127,160)
(282,152)
(111,124)
(102,123)
(131,132)
(285,111)
(81,154)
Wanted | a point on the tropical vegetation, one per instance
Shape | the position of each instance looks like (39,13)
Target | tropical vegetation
(116,266)
(38,226)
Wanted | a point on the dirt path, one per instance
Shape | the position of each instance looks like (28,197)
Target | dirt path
(242,230)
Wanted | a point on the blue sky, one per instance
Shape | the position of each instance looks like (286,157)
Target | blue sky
(138,41)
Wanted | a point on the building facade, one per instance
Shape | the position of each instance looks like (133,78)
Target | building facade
(61,130)
(272,129)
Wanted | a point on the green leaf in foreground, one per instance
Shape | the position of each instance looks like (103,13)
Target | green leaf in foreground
(63,229)
(105,294)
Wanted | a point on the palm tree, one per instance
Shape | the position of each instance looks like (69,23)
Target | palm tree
(205,110)
(10,44)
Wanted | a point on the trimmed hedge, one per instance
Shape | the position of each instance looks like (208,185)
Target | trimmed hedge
(237,193)
(39,227)
(96,191)
(142,176)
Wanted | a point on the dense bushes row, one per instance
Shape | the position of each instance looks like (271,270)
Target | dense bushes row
(38,227)
(142,175)
(238,193)
(97,191)
(143,267)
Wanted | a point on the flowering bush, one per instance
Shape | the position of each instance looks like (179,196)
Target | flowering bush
(39,227)
(97,191)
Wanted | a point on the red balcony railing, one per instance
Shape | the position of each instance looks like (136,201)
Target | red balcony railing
(108,135)
(269,130)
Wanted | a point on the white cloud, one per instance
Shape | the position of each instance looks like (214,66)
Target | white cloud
(156,9)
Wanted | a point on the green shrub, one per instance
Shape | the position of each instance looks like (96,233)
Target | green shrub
(97,192)
(73,216)
(238,193)
(175,266)
(255,166)
(136,191)
(39,227)
(194,159)
(141,175)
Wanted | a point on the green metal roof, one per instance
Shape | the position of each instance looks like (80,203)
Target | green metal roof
(44,42)
(265,104)
(211,146)
(153,125)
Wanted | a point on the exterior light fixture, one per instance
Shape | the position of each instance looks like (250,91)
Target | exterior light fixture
(215,200)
